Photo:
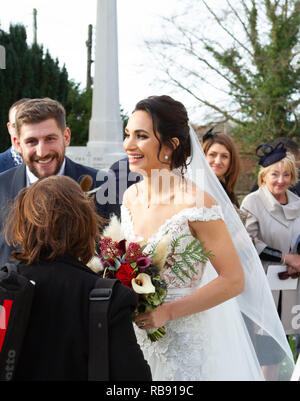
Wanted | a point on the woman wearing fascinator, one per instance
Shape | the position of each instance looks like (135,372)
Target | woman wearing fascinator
(273,221)
(211,292)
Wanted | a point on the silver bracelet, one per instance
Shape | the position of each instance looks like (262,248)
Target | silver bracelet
(283,262)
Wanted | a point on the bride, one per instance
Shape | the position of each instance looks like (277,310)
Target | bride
(216,313)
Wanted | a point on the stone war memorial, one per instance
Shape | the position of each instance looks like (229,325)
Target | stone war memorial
(105,132)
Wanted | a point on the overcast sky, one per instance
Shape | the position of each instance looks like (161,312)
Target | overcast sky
(63,30)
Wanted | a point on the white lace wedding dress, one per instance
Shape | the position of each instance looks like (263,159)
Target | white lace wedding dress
(196,347)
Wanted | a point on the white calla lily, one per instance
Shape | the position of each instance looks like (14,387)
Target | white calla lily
(142,284)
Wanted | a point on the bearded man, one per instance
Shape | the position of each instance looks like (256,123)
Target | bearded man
(41,139)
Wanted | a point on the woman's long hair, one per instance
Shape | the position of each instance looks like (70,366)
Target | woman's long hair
(232,174)
(50,219)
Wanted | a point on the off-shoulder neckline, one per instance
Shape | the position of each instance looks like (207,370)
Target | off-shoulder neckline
(167,221)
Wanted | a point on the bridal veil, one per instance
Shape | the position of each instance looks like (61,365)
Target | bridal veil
(258,337)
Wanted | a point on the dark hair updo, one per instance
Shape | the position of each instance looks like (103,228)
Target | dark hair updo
(170,120)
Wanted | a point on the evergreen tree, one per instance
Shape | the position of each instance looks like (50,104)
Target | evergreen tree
(79,110)
(29,73)
(32,73)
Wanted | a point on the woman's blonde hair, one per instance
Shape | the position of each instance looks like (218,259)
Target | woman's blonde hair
(288,163)
(50,219)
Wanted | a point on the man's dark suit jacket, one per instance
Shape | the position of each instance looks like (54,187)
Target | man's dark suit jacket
(13,180)
(6,161)
(55,347)
(124,177)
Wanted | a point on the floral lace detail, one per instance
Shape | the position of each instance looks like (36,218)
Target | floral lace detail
(176,226)
(184,353)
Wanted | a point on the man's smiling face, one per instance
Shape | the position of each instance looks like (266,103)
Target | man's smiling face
(42,146)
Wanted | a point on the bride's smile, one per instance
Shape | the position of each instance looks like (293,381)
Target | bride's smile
(143,148)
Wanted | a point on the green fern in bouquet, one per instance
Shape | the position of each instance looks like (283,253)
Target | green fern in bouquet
(182,263)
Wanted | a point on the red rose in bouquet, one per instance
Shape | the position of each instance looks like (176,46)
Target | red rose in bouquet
(125,274)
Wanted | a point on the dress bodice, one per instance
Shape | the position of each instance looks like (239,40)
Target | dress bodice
(180,237)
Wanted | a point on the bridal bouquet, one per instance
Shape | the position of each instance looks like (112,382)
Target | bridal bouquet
(136,269)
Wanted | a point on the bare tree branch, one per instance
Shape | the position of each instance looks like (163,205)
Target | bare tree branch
(212,106)
(225,29)
(256,72)
(239,18)
(197,57)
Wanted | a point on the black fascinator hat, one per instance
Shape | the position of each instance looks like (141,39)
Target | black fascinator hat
(209,135)
(269,154)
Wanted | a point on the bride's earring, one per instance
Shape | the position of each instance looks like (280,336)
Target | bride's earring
(166,157)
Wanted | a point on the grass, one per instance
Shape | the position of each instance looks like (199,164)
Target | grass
(292,342)
(285,366)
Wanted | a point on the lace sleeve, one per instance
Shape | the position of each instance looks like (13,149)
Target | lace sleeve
(204,213)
